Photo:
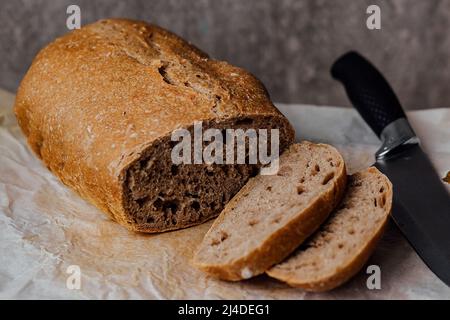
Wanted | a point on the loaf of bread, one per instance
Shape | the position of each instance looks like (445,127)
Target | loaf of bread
(272,215)
(342,245)
(99,104)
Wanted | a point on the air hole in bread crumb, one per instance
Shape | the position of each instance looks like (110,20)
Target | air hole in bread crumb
(157,204)
(174,169)
(276,220)
(340,245)
(142,201)
(327,178)
(269,188)
(150,219)
(195,205)
(170,206)
(300,189)
(375,202)
(351,231)
(381,189)
(302,180)
(383,200)
(330,162)
(223,236)
(225,198)
(252,222)
(315,170)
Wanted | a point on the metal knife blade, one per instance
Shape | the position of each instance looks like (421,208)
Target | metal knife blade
(421,207)
(421,202)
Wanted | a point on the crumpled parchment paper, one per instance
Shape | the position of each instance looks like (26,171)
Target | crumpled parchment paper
(45,228)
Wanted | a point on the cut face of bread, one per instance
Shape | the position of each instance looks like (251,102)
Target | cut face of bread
(160,195)
(273,214)
(345,241)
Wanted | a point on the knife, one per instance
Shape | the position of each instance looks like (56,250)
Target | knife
(421,206)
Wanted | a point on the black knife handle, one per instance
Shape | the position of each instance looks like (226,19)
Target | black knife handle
(367,89)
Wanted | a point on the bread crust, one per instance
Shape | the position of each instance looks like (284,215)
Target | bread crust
(352,267)
(285,240)
(96,99)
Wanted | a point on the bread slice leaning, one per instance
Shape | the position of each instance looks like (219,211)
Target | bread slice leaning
(273,214)
(342,245)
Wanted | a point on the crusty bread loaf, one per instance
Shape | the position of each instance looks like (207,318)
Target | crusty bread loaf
(99,104)
(272,215)
(342,245)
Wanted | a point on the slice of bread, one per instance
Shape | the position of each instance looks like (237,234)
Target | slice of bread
(273,214)
(342,245)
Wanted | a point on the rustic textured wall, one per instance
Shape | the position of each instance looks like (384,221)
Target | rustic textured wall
(288,44)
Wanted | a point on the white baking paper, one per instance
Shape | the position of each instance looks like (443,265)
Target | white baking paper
(47,233)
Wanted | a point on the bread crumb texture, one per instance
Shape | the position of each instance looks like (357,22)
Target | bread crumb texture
(272,215)
(345,241)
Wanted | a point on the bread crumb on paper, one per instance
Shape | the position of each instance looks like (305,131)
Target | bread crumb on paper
(447,178)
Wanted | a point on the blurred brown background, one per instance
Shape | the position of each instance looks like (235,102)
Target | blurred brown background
(288,44)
